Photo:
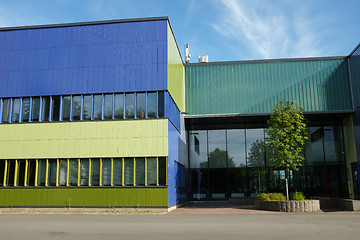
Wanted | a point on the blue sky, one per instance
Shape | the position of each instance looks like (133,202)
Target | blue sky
(226,30)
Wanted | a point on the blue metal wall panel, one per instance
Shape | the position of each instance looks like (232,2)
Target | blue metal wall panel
(116,57)
(171,111)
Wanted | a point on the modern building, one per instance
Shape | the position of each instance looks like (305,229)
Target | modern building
(106,114)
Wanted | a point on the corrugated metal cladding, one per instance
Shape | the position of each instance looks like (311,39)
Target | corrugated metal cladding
(354,61)
(127,56)
(317,85)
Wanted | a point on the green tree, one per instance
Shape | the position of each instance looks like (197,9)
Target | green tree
(287,138)
(256,154)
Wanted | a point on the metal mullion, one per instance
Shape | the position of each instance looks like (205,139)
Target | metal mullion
(113,106)
(36,172)
(47,173)
(146,104)
(124,107)
(89,171)
(20,110)
(57,172)
(5,173)
(10,110)
(100,173)
(40,108)
(71,108)
(134,171)
(1,107)
(102,106)
(26,173)
(67,172)
(30,109)
(78,178)
(81,107)
(16,175)
(157,171)
(50,109)
(112,172)
(123,172)
(145,171)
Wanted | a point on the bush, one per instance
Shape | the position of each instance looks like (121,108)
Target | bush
(299,196)
(271,197)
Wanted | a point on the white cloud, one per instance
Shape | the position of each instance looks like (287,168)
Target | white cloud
(270,29)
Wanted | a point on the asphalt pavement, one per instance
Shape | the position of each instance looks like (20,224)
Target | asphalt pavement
(330,225)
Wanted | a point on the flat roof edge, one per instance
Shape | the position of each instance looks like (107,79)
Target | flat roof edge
(84,23)
(268,61)
(263,114)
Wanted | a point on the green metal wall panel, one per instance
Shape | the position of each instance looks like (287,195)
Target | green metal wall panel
(253,87)
(354,60)
(176,72)
(84,197)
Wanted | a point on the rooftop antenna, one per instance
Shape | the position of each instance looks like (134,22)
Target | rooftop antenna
(187,54)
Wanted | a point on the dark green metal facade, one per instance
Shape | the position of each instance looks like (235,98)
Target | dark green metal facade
(253,87)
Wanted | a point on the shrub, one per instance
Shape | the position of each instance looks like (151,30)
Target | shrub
(271,197)
(299,196)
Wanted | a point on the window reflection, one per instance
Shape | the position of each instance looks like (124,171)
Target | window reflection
(217,149)
(117,172)
(161,102)
(151,104)
(129,105)
(73,172)
(108,106)
(84,172)
(62,172)
(119,106)
(198,149)
(255,151)
(6,110)
(95,172)
(97,107)
(52,172)
(106,172)
(236,147)
(76,107)
(35,109)
(45,108)
(140,105)
(151,171)
(140,171)
(129,171)
(87,107)
(55,108)
(15,110)
(66,105)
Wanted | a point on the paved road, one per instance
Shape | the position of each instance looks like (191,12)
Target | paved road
(243,226)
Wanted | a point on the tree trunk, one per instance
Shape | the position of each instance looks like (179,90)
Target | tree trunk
(287,184)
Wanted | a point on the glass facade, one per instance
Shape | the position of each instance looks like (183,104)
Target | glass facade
(229,161)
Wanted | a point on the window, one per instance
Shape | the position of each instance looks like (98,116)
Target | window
(10,173)
(76,107)
(25,109)
(35,109)
(95,172)
(41,173)
(66,105)
(15,110)
(45,109)
(106,172)
(97,107)
(161,104)
(6,110)
(129,105)
(84,172)
(87,107)
(129,171)
(2,172)
(62,172)
(119,106)
(108,106)
(117,171)
(151,171)
(30,176)
(52,172)
(162,171)
(21,173)
(140,105)
(151,104)
(140,171)
(73,172)
(55,108)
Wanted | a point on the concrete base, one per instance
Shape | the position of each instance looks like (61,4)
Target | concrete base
(339,203)
(289,206)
